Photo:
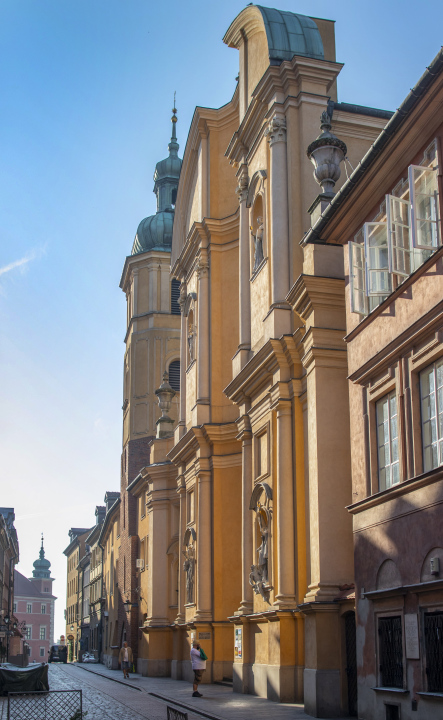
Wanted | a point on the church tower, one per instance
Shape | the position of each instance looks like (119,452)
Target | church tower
(152,348)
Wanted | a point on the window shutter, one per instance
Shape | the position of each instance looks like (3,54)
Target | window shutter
(424,199)
(174,375)
(357,278)
(399,235)
(377,253)
(175,294)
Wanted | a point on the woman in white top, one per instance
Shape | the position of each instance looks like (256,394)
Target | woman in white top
(198,666)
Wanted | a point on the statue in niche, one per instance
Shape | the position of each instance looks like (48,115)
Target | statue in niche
(258,244)
(188,568)
(191,343)
(258,577)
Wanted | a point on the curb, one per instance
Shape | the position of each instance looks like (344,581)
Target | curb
(107,677)
(191,708)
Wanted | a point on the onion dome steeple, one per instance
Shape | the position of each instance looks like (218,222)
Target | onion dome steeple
(155,232)
(41,566)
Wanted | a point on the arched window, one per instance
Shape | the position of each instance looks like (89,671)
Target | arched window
(174,375)
(173,196)
(175,294)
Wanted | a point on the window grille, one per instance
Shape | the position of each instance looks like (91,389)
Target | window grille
(29,608)
(43,609)
(42,633)
(434,650)
(175,294)
(174,375)
(387,441)
(431,392)
(391,651)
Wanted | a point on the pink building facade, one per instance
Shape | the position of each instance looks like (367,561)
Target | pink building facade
(34,604)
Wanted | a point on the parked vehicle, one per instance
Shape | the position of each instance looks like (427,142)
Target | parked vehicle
(58,653)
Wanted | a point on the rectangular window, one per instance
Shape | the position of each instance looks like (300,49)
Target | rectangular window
(14,607)
(387,441)
(398,213)
(424,199)
(42,652)
(357,278)
(378,276)
(391,651)
(43,609)
(431,392)
(42,633)
(434,651)
(28,632)
(29,608)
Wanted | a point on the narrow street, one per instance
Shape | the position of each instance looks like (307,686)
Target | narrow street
(147,698)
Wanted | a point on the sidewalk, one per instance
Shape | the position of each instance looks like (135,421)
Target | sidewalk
(218,702)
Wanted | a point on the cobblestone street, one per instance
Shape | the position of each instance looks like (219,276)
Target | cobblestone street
(147,698)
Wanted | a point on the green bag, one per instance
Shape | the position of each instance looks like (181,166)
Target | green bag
(203,654)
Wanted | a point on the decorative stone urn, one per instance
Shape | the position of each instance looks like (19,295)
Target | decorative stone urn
(326,153)
(165,393)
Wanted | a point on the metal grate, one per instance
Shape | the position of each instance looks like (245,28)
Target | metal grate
(174,714)
(175,294)
(434,650)
(51,705)
(174,375)
(391,651)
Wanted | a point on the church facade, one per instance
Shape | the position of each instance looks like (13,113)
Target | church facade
(238,490)
(247,464)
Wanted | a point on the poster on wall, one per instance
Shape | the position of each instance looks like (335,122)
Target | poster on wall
(238,642)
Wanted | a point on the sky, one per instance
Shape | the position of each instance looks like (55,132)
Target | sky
(86,91)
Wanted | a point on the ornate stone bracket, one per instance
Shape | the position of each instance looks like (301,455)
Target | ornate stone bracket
(243,184)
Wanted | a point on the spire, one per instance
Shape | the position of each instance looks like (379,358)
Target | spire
(42,550)
(173,145)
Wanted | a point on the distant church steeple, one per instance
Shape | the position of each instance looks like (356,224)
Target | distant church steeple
(41,566)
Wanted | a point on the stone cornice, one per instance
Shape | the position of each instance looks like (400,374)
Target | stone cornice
(312,290)
(396,491)
(259,372)
(278,81)
(136,262)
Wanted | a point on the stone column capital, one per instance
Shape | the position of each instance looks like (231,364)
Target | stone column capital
(276,130)
(202,267)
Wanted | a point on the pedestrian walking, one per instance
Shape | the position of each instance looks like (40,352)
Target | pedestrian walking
(198,660)
(125,659)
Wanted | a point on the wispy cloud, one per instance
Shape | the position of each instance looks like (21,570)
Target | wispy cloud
(17,263)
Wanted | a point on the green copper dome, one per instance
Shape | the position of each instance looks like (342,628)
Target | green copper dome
(155,231)
(41,566)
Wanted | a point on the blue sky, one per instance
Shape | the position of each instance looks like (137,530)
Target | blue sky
(85,106)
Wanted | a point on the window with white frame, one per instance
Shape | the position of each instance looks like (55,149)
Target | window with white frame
(29,608)
(42,632)
(42,652)
(14,607)
(399,239)
(431,393)
(43,609)
(28,632)
(387,441)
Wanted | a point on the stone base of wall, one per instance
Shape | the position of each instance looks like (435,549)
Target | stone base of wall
(110,661)
(274,682)
(322,693)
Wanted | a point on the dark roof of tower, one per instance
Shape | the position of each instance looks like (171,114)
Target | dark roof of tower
(155,231)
